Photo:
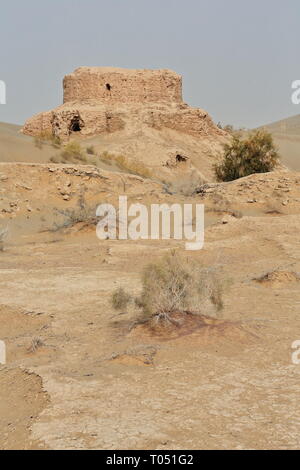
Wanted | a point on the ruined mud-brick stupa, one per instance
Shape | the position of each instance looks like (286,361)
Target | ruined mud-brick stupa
(137,113)
(101,100)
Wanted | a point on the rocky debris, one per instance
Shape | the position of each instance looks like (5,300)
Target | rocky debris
(208,188)
(53,187)
(271,188)
(228,218)
(83,171)
(23,186)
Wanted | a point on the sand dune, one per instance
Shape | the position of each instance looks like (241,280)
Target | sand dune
(286,135)
(16,147)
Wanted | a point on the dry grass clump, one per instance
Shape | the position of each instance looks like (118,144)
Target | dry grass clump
(278,277)
(130,166)
(81,214)
(174,287)
(36,344)
(46,137)
(137,168)
(73,152)
(120,299)
(55,160)
(245,156)
(90,150)
(3,235)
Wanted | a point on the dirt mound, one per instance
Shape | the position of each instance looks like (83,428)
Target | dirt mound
(142,356)
(278,278)
(177,324)
(22,332)
(275,193)
(22,399)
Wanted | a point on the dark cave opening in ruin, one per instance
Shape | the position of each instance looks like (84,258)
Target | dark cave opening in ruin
(75,125)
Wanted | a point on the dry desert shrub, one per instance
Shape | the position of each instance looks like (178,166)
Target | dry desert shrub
(82,213)
(120,299)
(176,285)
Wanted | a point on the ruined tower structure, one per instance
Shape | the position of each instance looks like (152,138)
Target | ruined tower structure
(138,114)
(99,100)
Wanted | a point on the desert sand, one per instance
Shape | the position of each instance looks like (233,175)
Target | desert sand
(80,375)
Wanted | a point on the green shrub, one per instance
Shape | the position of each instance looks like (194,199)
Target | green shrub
(242,157)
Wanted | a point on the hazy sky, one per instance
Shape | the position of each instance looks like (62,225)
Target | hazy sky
(238,58)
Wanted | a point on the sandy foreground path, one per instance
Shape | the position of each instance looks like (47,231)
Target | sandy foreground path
(96,384)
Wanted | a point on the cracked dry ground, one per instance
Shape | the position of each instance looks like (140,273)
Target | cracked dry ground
(96,384)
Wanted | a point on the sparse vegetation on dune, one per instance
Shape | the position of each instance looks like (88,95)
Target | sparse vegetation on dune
(47,138)
(74,153)
(90,150)
(71,153)
(130,166)
(230,129)
(244,156)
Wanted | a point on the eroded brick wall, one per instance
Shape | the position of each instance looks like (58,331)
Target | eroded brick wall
(109,85)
